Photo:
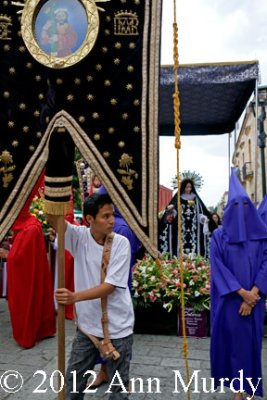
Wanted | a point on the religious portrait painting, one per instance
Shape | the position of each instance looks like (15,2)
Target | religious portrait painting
(61,27)
(59,33)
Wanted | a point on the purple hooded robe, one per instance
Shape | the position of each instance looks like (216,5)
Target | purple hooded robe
(238,260)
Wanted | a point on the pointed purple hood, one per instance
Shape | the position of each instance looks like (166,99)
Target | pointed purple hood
(241,220)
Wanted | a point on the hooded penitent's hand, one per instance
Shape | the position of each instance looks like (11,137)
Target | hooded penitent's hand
(245,309)
(249,296)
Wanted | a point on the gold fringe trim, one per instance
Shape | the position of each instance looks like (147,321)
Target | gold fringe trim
(56,208)
(214,64)
(55,180)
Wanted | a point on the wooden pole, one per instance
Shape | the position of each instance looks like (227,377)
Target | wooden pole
(61,307)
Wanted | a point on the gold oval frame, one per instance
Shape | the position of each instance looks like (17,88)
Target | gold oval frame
(28,18)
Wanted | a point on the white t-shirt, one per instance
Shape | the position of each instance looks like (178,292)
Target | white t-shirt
(87,255)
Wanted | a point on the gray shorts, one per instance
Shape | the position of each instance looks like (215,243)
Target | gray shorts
(83,358)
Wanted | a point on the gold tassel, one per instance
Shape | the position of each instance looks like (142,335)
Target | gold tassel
(56,208)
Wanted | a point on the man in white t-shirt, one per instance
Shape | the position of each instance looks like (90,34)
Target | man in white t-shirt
(86,246)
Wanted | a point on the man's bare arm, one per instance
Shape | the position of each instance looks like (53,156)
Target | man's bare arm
(65,296)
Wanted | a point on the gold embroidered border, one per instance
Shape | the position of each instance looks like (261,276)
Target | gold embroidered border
(153,120)
(57,191)
(99,166)
(58,180)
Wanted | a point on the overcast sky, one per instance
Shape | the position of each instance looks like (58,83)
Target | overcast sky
(211,31)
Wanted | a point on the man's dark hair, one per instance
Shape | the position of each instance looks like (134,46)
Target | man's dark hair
(93,203)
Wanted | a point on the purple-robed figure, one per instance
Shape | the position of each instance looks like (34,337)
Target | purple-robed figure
(262,210)
(238,289)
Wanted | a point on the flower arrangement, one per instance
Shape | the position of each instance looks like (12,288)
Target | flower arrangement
(37,210)
(160,282)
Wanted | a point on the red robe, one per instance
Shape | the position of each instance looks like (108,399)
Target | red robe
(30,292)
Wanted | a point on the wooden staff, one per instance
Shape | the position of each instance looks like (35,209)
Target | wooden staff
(61,307)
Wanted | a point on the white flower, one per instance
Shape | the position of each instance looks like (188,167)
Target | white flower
(191,282)
(197,293)
(145,286)
(167,306)
(153,278)
(136,294)
(135,283)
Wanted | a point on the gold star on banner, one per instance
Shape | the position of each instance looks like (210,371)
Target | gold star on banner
(36,113)
(5,3)
(106,154)
(59,81)
(98,67)
(95,115)
(124,116)
(39,134)
(22,49)
(117,61)
(107,32)
(104,49)
(130,68)
(25,129)
(47,119)
(11,124)
(107,82)
(117,45)
(111,130)
(121,144)
(108,18)
(15,143)
(136,102)
(81,118)
(12,70)
(19,32)
(113,102)
(6,47)
(129,86)
(70,97)
(123,1)
(90,97)
(136,129)
(29,65)
(97,136)
(38,78)
(77,81)
(89,78)
(132,45)
(137,2)
(22,106)
(31,148)
(40,96)
(6,95)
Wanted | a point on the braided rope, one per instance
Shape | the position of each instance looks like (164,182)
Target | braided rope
(177,131)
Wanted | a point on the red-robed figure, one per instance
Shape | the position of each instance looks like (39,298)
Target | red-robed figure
(30,293)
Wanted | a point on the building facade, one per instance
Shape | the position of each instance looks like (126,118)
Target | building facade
(249,156)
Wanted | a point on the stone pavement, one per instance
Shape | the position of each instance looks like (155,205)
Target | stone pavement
(154,356)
